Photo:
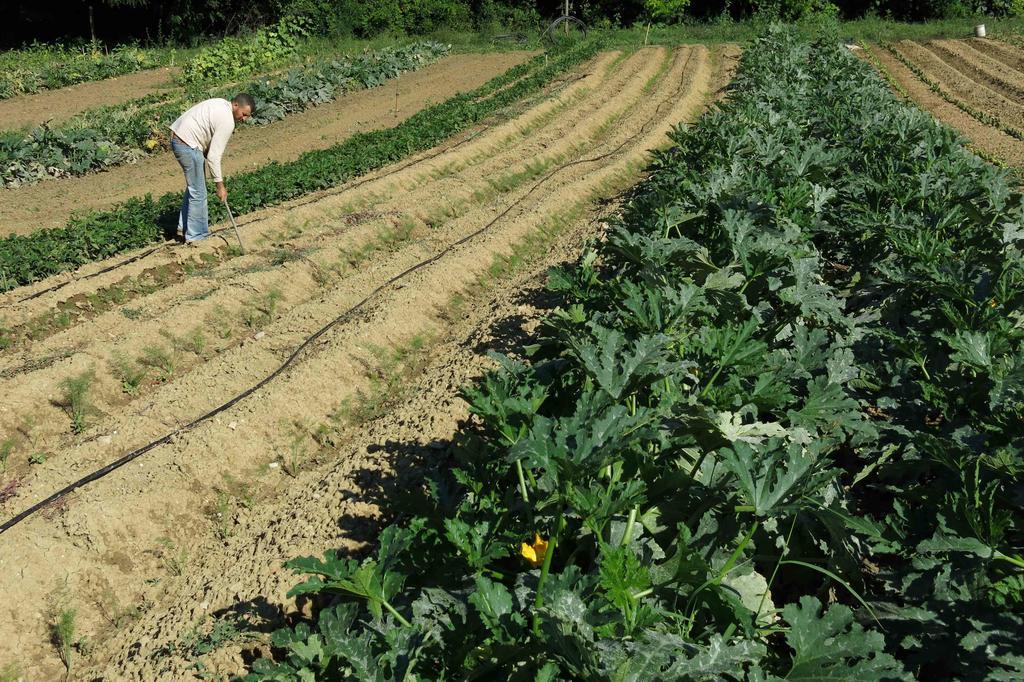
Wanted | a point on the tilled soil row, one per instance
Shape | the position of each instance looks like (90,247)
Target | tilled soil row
(51,203)
(980,67)
(976,94)
(229,303)
(985,138)
(111,531)
(1002,52)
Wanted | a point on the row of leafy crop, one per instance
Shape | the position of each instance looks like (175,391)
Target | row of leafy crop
(138,222)
(238,56)
(113,135)
(773,433)
(49,67)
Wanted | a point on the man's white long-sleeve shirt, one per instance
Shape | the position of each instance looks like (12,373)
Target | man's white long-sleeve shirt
(207,126)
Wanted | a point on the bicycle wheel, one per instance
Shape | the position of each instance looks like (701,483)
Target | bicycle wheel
(565,30)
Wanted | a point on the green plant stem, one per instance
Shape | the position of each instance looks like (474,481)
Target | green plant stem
(538,600)
(1015,560)
(522,481)
(401,619)
(627,537)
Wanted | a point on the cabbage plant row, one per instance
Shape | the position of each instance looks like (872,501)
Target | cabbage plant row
(772,433)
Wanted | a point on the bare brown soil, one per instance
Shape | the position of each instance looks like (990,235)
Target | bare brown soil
(980,67)
(51,202)
(1004,52)
(59,105)
(200,526)
(983,137)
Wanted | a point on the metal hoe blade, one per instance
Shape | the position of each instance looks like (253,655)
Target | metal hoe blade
(234,225)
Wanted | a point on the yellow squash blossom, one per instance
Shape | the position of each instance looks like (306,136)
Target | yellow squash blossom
(535,553)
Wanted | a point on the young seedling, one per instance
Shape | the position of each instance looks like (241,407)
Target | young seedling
(195,341)
(62,635)
(76,398)
(218,319)
(130,373)
(297,453)
(222,514)
(261,310)
(174,562)
(159,359)
(6,448)
(10,673)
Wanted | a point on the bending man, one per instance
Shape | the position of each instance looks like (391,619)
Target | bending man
(203,131)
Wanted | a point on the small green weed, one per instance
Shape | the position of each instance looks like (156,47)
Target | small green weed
(388,379)
(76,398)
(37,458)
(128,372)
(218,319)
(159,359)
(62,635)
(205,638)
(261,310)
(231,495)
(195,341)
(6,448)
(297,449)
(175,561)
(282,255)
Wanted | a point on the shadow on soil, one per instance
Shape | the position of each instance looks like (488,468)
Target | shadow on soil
(403,493)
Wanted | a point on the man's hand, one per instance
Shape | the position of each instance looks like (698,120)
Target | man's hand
(222,192)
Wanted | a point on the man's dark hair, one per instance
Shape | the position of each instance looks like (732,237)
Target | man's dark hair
(243,99)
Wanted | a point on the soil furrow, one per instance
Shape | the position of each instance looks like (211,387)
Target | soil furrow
(987,139)
(1002,52)
(959,85)
(110,531)
(980,67)
(55,106)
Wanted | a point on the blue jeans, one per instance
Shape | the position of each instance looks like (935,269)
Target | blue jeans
(194,218)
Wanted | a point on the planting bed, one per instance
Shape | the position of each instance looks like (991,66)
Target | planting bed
(975,86)
(26,111)
(436,257)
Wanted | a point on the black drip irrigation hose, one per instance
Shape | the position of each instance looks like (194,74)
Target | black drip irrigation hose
(134,454)
(314,197)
